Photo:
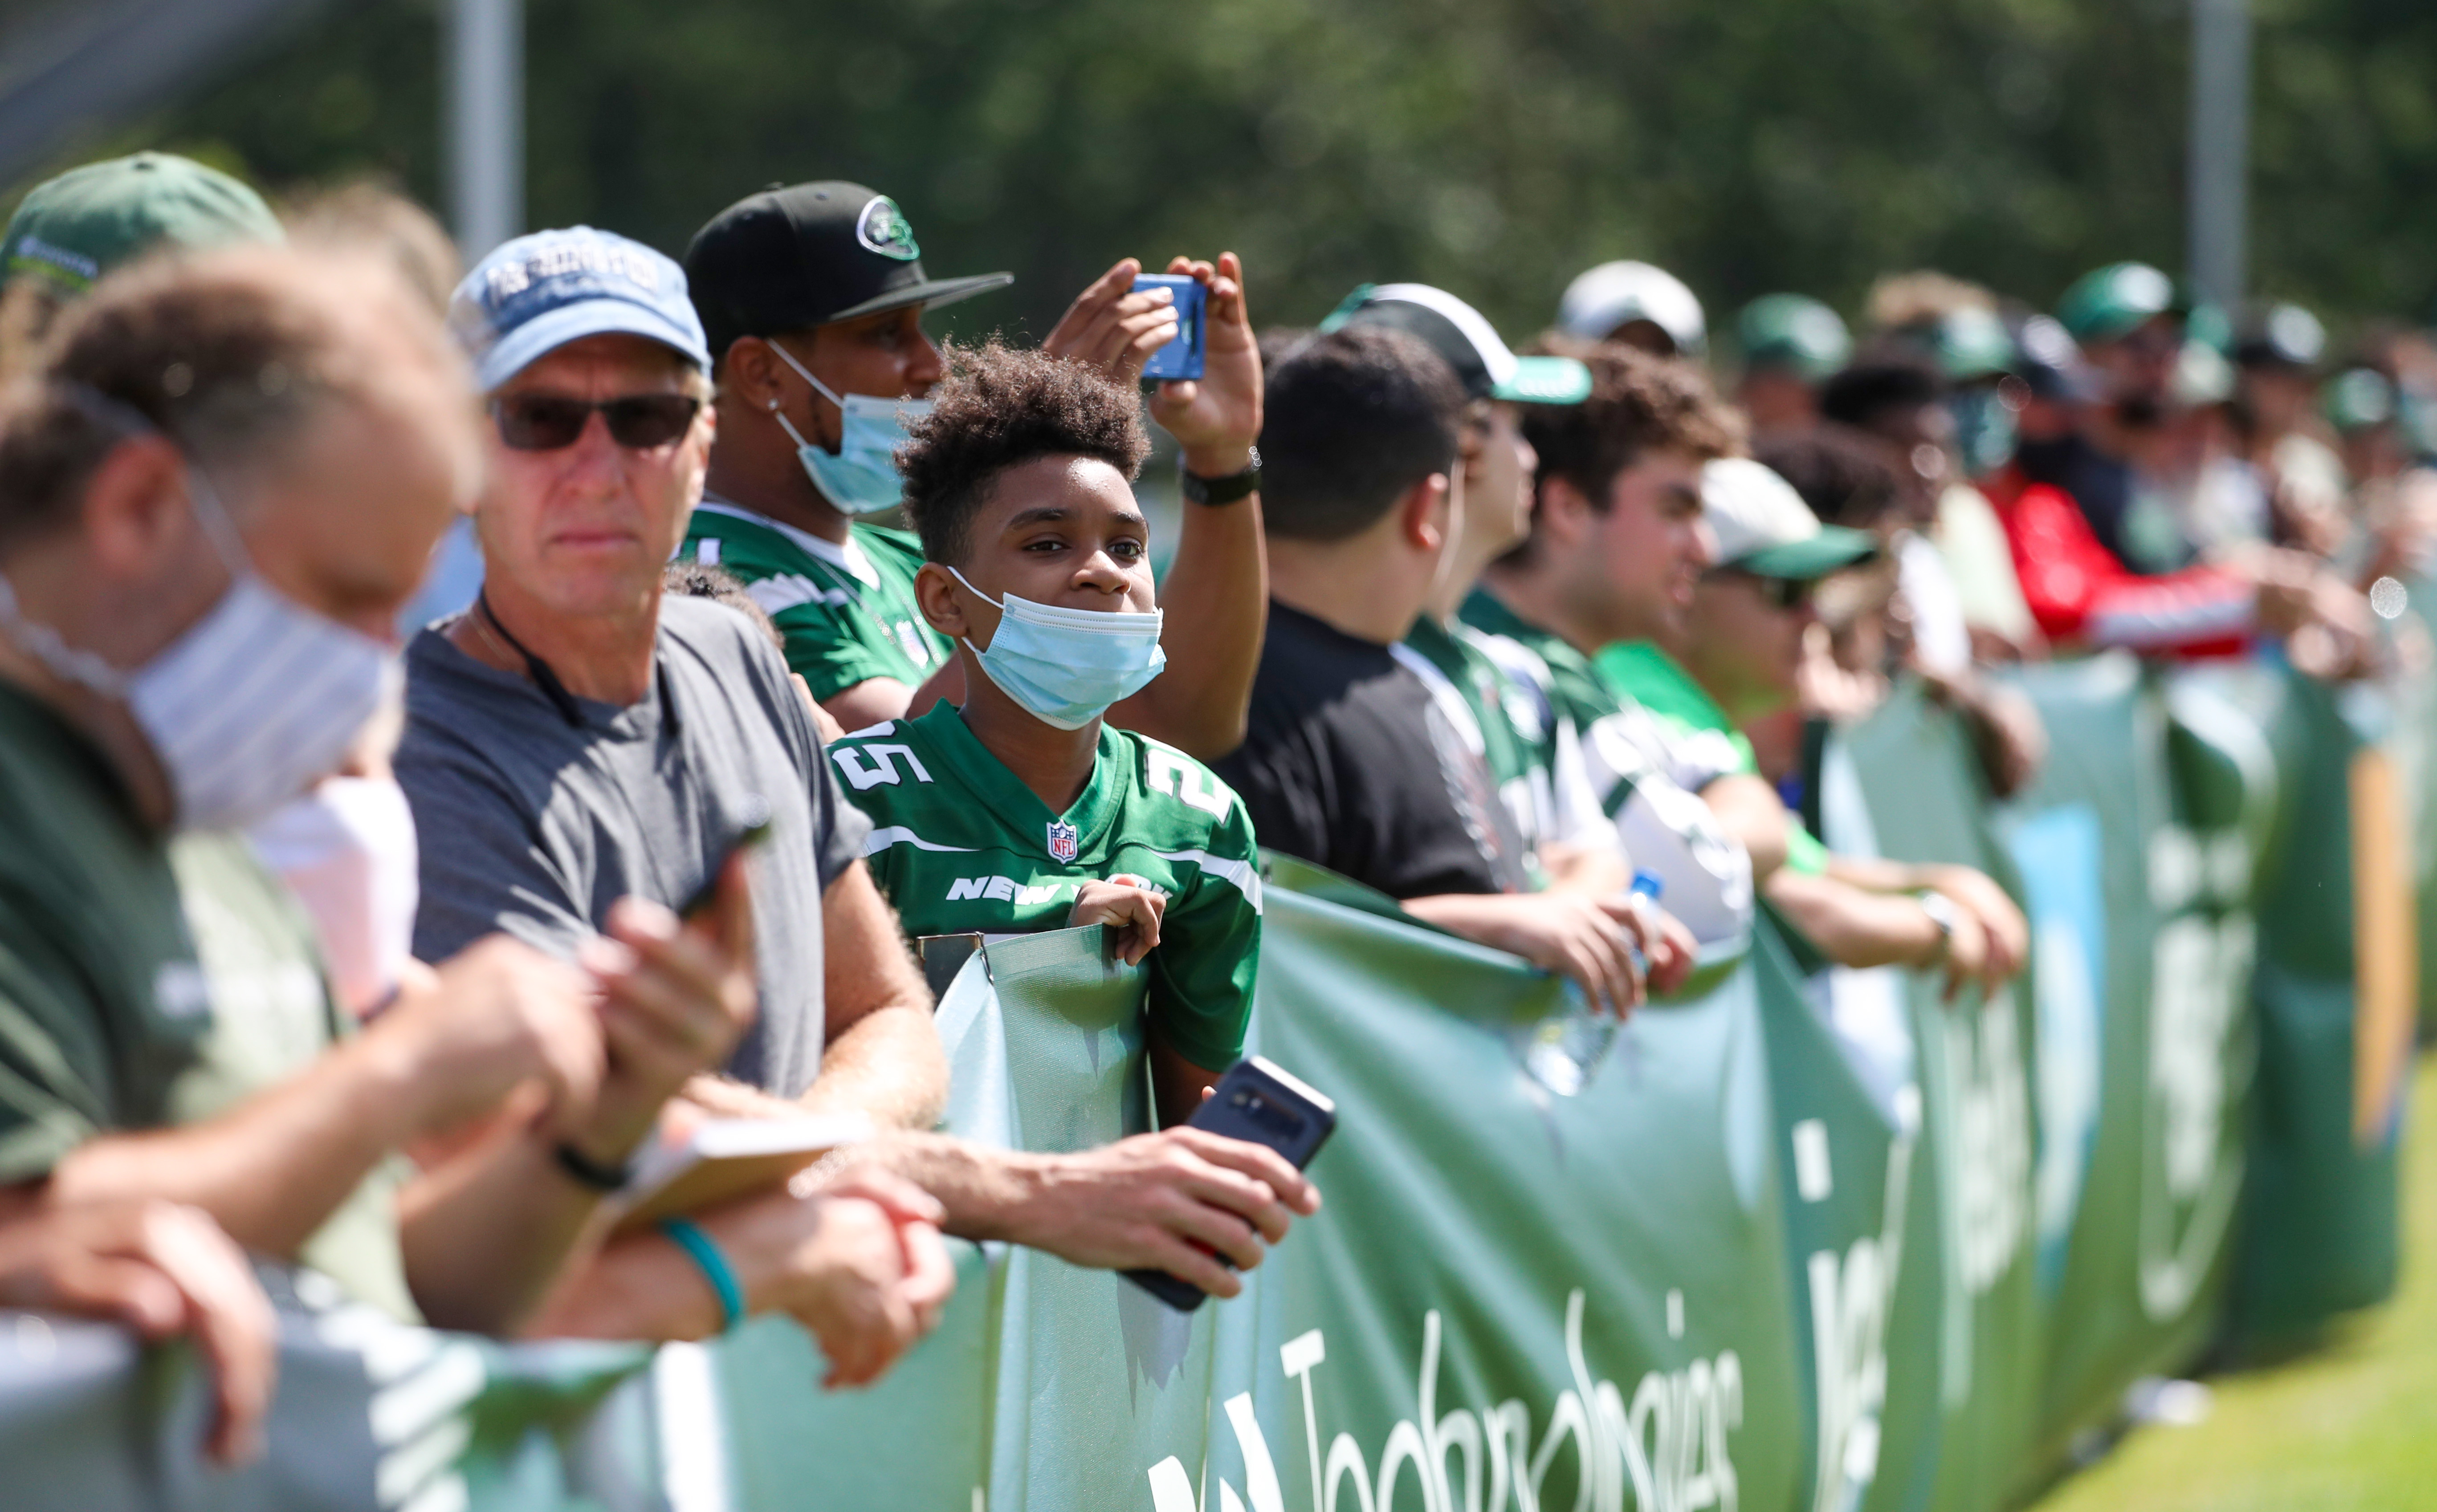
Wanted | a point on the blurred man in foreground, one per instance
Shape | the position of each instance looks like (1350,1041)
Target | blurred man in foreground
(227,476)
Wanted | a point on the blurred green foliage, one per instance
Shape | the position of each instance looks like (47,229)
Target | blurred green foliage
(1496,147)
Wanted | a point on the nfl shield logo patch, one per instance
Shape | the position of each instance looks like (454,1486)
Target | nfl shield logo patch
(1061,842)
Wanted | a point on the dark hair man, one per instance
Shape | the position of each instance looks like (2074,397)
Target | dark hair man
(225,478)
(1350,763)
(576,737)
(812,298)
(1493,693)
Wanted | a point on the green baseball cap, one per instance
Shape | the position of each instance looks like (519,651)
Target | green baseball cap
(1764,528)
(2111,302)
(79,226)
(1794,332)
(1971,343)
(2358,399)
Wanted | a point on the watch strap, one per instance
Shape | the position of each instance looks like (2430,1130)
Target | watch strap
(1225,490)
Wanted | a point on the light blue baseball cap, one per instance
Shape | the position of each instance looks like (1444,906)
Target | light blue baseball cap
(538,292)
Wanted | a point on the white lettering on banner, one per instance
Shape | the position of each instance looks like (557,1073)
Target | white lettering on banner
(423,1384)
(1669,1446)
(1851,1298)
(849,760)
(2200,965)
(1986,1167)
(1179,776)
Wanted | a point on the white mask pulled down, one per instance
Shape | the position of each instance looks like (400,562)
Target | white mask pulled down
(347,850)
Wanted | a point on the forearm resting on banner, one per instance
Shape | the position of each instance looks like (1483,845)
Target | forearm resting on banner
(1750,810)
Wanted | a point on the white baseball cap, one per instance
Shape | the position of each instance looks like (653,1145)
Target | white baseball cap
(1608,296)
(1764,529)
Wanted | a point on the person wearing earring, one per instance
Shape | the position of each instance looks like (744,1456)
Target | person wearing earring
(812,298)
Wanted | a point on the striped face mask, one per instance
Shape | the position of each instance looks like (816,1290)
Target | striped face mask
(255,703)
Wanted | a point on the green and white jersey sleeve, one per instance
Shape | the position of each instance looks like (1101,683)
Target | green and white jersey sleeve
(848,612)
(960,846)
(1665,829)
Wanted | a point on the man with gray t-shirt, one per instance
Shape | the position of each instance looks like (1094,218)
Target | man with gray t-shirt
(573,742)
(536,815)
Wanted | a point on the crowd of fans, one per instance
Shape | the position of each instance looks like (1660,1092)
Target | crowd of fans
(1538,645)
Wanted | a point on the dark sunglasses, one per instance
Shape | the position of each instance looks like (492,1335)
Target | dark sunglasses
(548,421)
(1787,594)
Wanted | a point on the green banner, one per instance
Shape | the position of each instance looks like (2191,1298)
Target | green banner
(1801,1243)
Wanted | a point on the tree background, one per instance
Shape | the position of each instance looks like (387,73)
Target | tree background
(1493,147)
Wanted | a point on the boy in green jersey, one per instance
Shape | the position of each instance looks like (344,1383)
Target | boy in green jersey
(1024,809)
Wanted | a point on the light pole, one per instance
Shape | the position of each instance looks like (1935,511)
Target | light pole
(485,91)
(2219,154)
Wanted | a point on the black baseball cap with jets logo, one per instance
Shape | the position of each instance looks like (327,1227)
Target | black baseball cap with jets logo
(793,257)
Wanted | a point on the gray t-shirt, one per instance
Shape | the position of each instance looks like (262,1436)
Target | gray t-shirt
(533,826)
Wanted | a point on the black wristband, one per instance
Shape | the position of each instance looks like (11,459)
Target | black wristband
(590,1173)
(1225,490)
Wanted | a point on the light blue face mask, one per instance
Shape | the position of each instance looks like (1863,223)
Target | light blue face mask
(1984,430)
(1067,665)
(860,478)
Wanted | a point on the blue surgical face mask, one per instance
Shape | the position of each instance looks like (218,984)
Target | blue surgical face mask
(1067,665)
(860,478)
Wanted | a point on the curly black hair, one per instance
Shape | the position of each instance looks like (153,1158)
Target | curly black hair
(999,408)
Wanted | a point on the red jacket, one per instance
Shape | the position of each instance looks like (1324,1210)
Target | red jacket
(2080,594)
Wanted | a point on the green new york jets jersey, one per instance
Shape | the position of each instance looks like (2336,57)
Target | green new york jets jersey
(848,611)
(960,846)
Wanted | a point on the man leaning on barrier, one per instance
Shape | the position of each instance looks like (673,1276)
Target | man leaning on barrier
(220,481)
(573,738)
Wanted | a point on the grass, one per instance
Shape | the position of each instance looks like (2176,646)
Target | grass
(2349,1426)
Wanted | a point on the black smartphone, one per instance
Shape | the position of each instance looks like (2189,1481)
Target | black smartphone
(708,893)
(1261,1103)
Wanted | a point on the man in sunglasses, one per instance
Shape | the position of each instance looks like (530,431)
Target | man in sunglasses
(573,738)
(1734,661)
(812,297)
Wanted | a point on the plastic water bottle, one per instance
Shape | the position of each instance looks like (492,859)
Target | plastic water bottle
(1567,1050)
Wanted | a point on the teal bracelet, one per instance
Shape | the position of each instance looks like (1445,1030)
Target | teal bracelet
(698,1247)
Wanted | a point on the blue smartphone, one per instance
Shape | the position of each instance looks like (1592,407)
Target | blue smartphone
(1258,1101)
(1181,357)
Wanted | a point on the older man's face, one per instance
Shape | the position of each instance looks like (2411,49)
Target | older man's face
(585,529)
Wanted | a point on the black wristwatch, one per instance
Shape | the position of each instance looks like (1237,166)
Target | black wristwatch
(1225,490)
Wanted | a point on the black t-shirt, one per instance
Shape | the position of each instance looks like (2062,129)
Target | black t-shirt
(1349,764)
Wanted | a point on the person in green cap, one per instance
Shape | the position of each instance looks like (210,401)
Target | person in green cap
(70,231)
(2129,321)
(1791,344)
